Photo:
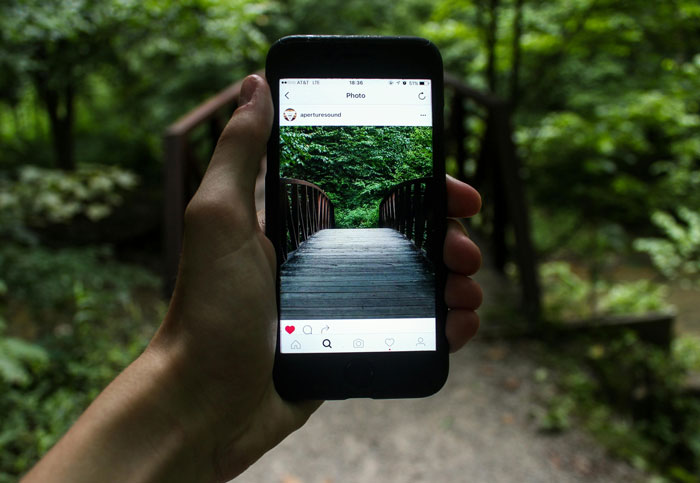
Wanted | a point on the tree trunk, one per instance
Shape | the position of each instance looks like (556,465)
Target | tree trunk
(491,40)
(515,70)
(60,108)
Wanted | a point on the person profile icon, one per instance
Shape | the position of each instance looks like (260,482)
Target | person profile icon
(289,114)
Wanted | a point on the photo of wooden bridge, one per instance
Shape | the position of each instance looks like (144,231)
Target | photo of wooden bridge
(381,272)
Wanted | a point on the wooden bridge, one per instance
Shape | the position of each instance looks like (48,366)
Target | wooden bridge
(356,273)
(493,168)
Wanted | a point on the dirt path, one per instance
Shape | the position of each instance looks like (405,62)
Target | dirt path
(479,428)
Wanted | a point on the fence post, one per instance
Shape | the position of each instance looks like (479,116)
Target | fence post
(420,215)
(429,225)
(509,164)
(411,206)
(295,217)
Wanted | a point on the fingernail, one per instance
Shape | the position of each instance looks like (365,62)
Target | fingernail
(248,89)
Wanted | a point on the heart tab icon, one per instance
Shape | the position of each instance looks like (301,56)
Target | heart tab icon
(289,329)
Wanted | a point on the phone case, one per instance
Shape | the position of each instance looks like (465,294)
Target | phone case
(406,212)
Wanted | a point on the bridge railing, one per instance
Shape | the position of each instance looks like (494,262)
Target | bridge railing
(407,208)
(497,172)
(307,210)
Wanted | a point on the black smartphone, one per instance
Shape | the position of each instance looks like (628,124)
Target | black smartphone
(355,206)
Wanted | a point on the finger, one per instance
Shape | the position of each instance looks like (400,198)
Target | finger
(261,220)
(462,199)
(460,327)
(235,163)
(462,292)
(461,255)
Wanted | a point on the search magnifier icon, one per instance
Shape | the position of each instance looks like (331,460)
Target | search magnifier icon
(327,343)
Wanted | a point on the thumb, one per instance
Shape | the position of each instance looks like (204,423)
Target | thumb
(235,163)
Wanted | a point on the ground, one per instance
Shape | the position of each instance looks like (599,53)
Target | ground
(479,428)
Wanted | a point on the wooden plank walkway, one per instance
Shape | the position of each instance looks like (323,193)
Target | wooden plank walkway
(357,273)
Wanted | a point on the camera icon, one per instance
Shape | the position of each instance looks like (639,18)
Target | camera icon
(358,344)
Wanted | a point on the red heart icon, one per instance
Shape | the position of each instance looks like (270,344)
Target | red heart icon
(289,329)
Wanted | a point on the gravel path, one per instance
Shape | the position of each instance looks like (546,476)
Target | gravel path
(479,428)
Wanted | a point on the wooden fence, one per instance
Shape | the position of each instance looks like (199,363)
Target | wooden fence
(407,208)
(307,210)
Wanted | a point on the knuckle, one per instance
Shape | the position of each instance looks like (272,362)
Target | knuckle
(202,209)
(215,213)
(242,129)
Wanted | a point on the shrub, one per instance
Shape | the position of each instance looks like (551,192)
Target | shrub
(630,395)
(89,316)
(39,196)
(566,295)
(677,254)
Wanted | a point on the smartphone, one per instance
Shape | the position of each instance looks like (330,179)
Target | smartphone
(355,207)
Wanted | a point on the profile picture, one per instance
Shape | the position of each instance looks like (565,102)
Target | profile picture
(290,114)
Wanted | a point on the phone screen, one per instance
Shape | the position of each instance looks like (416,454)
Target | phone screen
(356,175)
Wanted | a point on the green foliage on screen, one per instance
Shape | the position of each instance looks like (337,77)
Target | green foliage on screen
(356,165)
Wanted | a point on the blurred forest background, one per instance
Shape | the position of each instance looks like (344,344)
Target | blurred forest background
(356,166)
(604,97)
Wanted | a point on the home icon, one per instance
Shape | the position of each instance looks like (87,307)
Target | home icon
(295,345)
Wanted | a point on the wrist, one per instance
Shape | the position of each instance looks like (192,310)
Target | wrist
(136,430)
(201,410)
(182,422)
(223,428)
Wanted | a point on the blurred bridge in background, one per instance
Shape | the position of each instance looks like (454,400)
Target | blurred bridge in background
(494,169)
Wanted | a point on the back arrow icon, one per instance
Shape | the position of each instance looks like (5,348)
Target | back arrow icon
(286,94)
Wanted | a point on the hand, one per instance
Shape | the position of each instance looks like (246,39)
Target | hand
(207,374)
(224,309)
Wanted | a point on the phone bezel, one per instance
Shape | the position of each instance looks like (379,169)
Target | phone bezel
(398,374)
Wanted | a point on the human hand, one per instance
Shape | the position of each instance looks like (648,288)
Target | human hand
(200,403)
(223,308)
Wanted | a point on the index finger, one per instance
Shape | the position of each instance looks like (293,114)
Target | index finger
(462,199)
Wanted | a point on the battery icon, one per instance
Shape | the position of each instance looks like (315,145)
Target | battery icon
(422,83)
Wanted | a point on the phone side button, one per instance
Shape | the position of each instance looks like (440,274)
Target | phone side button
(359,373)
